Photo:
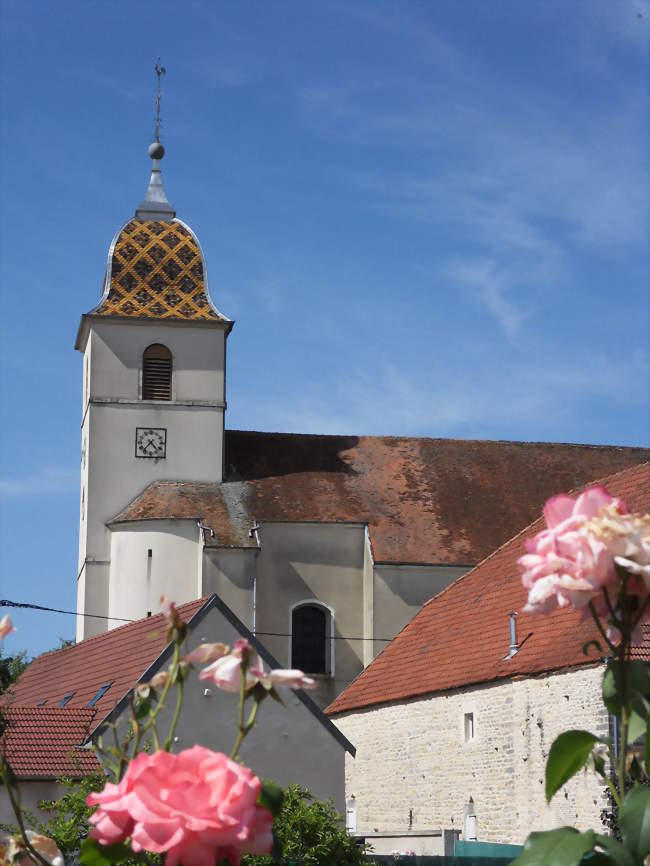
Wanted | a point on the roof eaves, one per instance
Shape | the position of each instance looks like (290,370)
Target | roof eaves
(452,690)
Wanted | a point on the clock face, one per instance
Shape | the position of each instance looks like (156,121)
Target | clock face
(150,442)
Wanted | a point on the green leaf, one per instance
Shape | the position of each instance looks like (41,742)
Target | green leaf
(94,854)
(615,853)
(634,821)
(638,684)
(640,711)
(599,765)
(271,797)
(563,847)
(142,709)
(569,753)
(598,858)
(647,747)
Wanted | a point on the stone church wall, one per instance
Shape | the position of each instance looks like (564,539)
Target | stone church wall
(414,772)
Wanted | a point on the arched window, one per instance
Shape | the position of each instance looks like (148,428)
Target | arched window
(156,373)
(311,639)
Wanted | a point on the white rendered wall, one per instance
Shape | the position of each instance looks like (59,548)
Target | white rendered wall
(113,475)
(138,580)
(288,744)
(32,791)
(416,750)
(230,574)
(399,592)
(305,561)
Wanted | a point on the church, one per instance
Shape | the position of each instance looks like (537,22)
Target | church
(324,547)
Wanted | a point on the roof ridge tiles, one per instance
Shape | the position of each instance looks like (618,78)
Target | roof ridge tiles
(412,438)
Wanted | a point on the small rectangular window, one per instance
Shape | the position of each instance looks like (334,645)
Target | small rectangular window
(469,727)
(66,699)
(99,694)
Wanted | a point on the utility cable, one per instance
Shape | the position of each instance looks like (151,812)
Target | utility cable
(5,602)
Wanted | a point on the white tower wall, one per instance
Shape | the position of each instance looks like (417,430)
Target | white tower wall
(112,475)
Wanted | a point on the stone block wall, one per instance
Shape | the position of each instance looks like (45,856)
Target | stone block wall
(414,771)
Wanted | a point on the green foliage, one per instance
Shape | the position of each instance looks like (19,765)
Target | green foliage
(569,753)
(310,833)
(94,854)
(634,821)
(563,847)
(69,822)
(11,667)
(638,694)
(609,816)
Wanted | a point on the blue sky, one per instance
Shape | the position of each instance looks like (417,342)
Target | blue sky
(425,218)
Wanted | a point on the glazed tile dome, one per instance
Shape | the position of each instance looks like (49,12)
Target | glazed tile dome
(156,271)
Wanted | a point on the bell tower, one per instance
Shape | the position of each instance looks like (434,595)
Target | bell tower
(154,379)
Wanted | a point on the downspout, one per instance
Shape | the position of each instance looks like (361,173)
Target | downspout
(254,532)
(199,566)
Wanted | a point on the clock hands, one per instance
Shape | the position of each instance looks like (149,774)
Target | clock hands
(150,443)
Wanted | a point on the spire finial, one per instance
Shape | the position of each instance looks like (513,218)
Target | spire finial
(155,204)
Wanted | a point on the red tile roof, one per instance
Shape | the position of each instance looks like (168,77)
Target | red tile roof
(45,742)
(119,657)
(425,500)
(461,636)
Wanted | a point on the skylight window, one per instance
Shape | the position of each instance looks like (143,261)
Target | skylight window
(41,703)
(99,694)
(66,699)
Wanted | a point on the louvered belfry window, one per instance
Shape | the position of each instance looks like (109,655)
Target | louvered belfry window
(157,373)
(309,639)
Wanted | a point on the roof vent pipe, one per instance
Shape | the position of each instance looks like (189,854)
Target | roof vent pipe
(514,646)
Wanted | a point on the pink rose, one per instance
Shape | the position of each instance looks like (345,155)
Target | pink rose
(565,564)
(205,653)
(198,807)
(291,679)
(6,626)
(225,672)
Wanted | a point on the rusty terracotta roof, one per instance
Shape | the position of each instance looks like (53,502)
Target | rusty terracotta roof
(462,636)
(119,657)
(445,501)
(46,742)
(156,271)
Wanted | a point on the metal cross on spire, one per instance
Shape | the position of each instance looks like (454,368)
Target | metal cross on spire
(160,70)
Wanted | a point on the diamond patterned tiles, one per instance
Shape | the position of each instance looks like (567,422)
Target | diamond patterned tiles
(156,272)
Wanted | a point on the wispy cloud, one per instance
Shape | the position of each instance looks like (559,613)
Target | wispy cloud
(490,286)
(526,182)
(48,481)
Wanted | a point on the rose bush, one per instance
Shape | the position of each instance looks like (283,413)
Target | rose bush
(195,808)
(198,807)
(594,556)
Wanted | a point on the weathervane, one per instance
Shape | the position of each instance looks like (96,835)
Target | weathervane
(160,70)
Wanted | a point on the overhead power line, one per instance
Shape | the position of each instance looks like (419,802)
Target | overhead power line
(5,602)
